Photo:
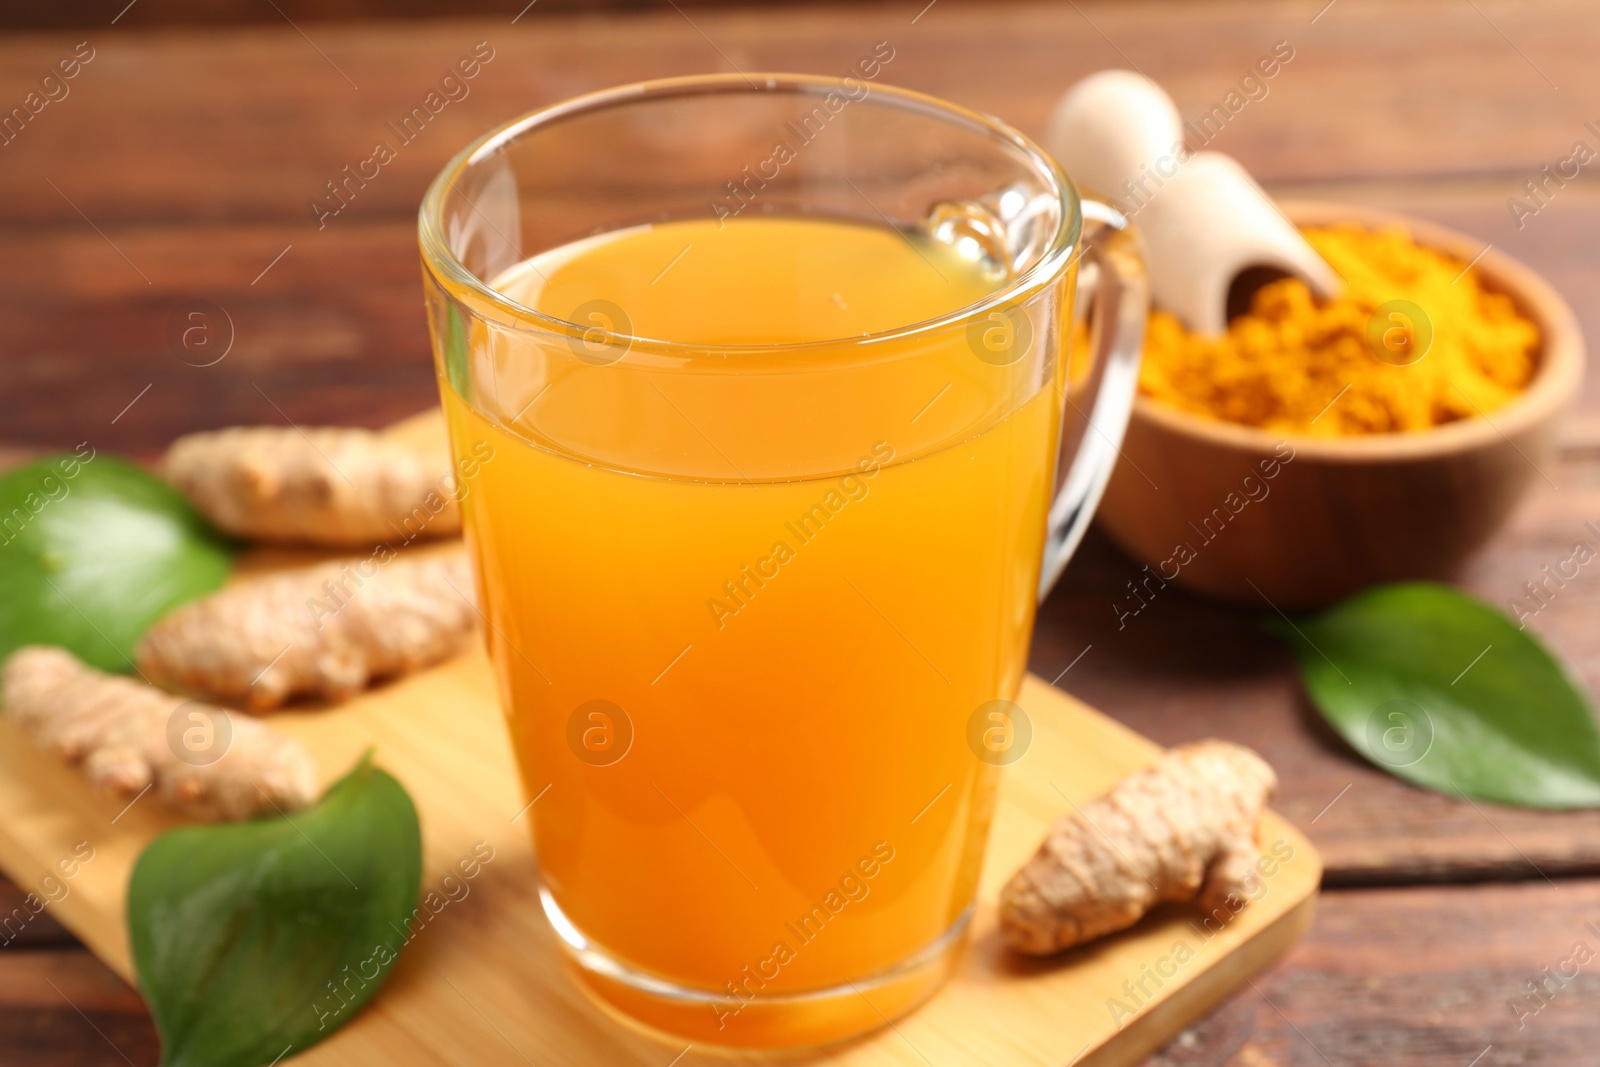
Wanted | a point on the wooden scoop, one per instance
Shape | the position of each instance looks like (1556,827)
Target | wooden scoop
(1212,236)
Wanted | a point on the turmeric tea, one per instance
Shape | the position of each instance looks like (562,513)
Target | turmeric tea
(1413,342)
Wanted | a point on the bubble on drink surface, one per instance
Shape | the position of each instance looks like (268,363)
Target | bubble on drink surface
(1399,332)
(599,732)
(605,332)
(1399,733)
(970,231)
(999,732)
(200,332)
(198,733)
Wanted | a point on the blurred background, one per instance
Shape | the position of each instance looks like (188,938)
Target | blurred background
(191,150)
(198,158)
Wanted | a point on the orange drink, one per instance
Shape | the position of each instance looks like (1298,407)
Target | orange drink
(758,549)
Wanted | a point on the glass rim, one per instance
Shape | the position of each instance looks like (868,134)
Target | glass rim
(439,259)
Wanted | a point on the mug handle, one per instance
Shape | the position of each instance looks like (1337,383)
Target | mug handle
(1121,305)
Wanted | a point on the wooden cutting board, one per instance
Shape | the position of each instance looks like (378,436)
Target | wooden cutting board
(483,982)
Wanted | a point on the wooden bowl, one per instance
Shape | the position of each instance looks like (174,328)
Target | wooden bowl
(1342,513)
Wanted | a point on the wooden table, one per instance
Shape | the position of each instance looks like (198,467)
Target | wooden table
(182,167)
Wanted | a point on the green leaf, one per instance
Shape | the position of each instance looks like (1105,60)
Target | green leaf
(1444,691)
(92,551)
(254,938)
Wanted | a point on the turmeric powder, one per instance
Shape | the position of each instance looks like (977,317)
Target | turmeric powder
(1296,365)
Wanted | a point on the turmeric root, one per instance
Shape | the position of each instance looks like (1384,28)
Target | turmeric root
(326,630)
(339,487)
(131,737)
(1181,829)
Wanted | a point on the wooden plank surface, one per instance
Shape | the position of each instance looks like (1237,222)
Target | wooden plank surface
(1419,976)
(1221,675)
(1373,92)
(65,1008)
(97,13)
(441,733)
(1422,976)
(183,162)
(195,155)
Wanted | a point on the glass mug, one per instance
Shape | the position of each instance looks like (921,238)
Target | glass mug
(758,595)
